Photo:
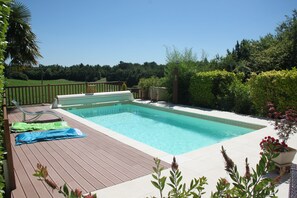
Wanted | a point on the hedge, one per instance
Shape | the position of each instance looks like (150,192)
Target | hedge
(278,87)
(212,89)
(4,14)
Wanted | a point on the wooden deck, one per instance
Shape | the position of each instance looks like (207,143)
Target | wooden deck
(89,164)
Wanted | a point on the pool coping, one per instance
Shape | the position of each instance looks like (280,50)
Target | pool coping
(208,159)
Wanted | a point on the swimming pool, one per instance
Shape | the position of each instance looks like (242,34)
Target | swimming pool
(171,132)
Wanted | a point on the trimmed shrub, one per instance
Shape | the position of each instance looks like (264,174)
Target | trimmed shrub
(278,87)
(145,83)
(212,89)
(240,93)
(18,75)
(201,90)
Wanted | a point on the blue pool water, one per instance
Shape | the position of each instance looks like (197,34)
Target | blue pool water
(170,132)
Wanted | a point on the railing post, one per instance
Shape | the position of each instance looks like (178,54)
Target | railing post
(120,85)
(87,84)
(48,93)
(7,142)
(175,85)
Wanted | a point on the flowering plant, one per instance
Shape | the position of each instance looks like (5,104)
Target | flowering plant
(285,122)
(273,145)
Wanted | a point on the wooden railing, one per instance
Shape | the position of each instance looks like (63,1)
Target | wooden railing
(38,94)
(135,92)
(10,185)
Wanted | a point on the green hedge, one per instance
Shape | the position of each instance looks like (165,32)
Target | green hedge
(4,13)
(278,87)
(212,89)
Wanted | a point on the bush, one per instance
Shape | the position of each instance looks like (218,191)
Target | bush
(278,87)
(186,64)
(212,89)
(146,83)
(240,94)
(18,75)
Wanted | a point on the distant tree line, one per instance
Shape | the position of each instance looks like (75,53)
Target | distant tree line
(128,72)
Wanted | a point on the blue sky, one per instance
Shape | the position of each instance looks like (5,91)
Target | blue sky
(106,32)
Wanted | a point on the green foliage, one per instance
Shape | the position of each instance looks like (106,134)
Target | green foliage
(18,75)
(273,51)
(240,96)
(22,48)
(178,189)
(124,87)
(128,72)
(277,87)
(4,15)
(132,73)
(212,89)
(145,83)
(253,183)
(159,182)
(186,64)
(16,82)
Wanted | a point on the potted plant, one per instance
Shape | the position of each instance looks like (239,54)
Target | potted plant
(143,84)
(151,88)
(286,125)
(285,154)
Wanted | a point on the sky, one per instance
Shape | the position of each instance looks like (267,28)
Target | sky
(106,32)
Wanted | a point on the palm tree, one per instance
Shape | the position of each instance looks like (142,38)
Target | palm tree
(22,47)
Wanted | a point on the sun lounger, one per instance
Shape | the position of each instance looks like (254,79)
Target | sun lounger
(59,134)
(36,114)
(23,126)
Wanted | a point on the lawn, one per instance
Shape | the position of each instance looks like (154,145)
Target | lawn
(15,82)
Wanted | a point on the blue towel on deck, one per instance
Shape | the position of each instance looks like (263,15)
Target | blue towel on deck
(31,137)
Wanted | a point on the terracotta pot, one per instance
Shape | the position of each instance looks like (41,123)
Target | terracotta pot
(285,157)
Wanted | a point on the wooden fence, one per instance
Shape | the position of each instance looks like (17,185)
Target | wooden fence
(10,180)
(38,94)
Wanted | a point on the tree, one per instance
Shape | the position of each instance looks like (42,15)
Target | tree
(22,48)
(186,63)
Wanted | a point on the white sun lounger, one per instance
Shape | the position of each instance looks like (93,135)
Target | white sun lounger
(36,114)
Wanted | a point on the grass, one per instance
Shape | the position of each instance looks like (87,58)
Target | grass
(15,82)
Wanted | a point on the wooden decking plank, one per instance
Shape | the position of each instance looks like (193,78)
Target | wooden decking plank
(72,169)
(42,189)
(42,160)
(88,172)
(34,161)
(97,143)
(18,192)
(119,154)
(27,181)
(57,167)
(111,167)
(98,164)
(100,152)
(108,144)
(125,167)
